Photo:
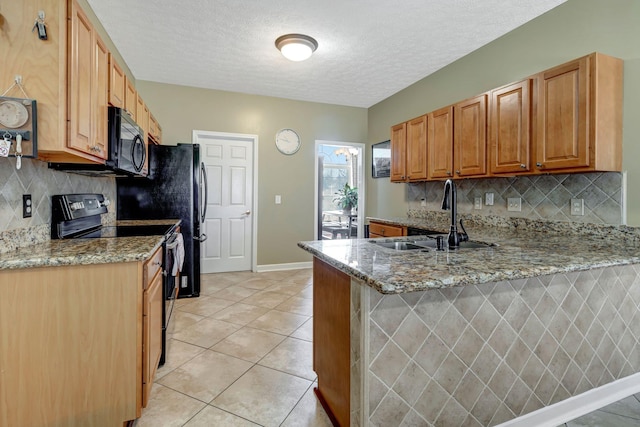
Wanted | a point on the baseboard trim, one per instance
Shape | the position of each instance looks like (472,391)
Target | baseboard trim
(576,406)
(283,267)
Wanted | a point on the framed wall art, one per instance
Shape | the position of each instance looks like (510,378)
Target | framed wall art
(381,159)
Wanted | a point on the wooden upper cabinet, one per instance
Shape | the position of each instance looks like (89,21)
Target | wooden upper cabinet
(130,98)
(399,152)
(155,131)
(88,67)
(440,143)
(116,83)
(510,129)
(409,150)
(416,160)
(579,115)
(470,137)
(101,104)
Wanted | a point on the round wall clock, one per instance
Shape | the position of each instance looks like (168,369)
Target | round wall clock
(287,141)
(13,114)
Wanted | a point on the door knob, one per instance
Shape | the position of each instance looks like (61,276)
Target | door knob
(247,213)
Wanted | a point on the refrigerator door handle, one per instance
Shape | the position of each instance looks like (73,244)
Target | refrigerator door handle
(201,238)
(203,183)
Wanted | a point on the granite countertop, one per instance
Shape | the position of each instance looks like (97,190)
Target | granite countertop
(520,253)
(87,251)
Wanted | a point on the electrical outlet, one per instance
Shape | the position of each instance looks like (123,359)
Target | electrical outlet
(514,204)
(577,207)
(423,202)
(488,199)
(278,199)
(27,206)
(477,203)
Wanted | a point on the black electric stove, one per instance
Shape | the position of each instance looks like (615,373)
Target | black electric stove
(78,216)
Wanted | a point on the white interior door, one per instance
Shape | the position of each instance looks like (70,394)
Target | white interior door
(228,224)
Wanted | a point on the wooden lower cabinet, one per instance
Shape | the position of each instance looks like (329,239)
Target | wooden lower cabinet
(71,344)
(331,341)
(152,335)
(380,229)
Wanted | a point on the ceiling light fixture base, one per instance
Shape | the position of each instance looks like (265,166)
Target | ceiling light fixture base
(296,47)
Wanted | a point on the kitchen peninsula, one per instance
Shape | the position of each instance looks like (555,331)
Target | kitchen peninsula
(474,336)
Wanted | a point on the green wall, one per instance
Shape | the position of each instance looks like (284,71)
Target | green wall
(181,109)
(571,30)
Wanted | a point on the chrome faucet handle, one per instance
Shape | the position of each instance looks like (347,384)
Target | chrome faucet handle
(463,236)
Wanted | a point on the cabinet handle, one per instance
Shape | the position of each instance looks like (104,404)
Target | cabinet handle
(523,166)
(448,173)
(458,172)
(540,165)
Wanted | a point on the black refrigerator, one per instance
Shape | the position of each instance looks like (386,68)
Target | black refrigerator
(175,188)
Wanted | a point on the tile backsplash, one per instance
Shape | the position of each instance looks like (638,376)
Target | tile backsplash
(37,179)
(545,197)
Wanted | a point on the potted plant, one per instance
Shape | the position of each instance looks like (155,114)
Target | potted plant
(346,198)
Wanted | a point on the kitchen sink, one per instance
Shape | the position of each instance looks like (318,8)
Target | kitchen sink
(429,244)
(399,246)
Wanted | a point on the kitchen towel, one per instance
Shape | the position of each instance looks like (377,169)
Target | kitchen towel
(179,255)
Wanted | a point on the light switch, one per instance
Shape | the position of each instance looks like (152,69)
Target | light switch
(278,199)
(577,207)
(477,203)
(488,199)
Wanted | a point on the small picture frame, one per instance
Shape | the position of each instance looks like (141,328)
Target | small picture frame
(381,159)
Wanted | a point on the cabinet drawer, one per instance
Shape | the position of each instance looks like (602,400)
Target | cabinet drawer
(152,266)
(385,230)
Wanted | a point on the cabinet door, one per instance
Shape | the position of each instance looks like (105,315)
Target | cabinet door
(562,139)
(151,335)
(510,128)
(416,161)
(440,143)
(398,152)
(379,229)
(130,98)
(81,65)
(101,99)
(470,137)
(116,83)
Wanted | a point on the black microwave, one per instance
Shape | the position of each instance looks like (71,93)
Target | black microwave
(127,146)
(127,150)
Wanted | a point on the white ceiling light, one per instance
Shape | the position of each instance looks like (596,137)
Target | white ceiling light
(296,47)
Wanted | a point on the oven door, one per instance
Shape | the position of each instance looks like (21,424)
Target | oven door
(172,262)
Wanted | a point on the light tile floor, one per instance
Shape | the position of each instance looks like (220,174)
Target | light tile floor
(240,355)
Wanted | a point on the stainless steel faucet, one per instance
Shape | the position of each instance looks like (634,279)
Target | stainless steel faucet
(450,201)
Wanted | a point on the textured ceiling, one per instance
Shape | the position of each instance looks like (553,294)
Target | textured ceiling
(368,50)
